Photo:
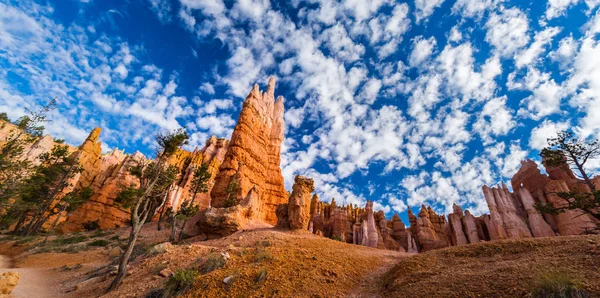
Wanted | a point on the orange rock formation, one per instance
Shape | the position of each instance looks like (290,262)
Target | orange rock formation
(256,144)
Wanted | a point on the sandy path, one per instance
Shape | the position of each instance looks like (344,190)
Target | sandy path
(33,282)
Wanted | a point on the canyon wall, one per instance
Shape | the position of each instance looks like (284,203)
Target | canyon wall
(512,216)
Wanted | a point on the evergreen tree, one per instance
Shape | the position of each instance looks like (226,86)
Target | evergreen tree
(201,176)
(566,151)
(13,168)
(154,179)
(68,203)
(41,191)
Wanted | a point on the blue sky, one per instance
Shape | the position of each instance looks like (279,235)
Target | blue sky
(402,103)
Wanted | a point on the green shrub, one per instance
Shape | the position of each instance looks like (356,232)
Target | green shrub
(337,238)
(558,285)
(24,240)
(180,282)
(115,237)
(100,233)
(69,240)
(213,262)
(99,242)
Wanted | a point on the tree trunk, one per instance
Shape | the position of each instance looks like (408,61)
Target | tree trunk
(173,230)
(20,223)
(52,227)
(182,230)
(162,210)
(583,174)
(122,271)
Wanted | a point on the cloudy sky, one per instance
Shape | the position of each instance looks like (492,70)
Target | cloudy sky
(402,103)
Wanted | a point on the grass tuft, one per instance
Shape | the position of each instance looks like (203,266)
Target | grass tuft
(212,263)
(179,283)
(555,284)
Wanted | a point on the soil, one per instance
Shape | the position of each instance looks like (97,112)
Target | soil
(508,268)
(267,262)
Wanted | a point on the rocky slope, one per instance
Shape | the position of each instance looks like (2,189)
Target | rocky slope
(267,262)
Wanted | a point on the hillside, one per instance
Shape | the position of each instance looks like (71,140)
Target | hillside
(266,262)
(509,268)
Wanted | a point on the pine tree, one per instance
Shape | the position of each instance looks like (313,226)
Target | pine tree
(13,168)
(566,151)
(154,179)
(41,191)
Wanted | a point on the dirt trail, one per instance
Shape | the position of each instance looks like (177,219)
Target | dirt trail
(371,284)
(33,282)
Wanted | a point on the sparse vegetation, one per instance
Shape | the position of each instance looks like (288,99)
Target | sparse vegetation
(180,282)
(99,242)
(262,255)
(68,240)
(232,190)
(337,238)
(554,284)
(261,275)
(213,262)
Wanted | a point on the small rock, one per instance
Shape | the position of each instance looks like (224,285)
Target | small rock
(228,279)
(8,281)
(226,256)
(241,237)
(161,248)
(165,272)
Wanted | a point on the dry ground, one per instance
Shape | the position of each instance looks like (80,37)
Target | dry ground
(511,268)
(266,262)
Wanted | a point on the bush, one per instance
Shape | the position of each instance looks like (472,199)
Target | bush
(337,238)
(180,282)
(91,225)
(69,240)
(213,262)
(558,285)
(262,255)
(99,242)
(261,275)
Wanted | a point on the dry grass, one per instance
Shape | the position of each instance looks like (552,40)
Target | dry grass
(512,268)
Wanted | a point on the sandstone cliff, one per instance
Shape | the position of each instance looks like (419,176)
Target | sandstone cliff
(255,144)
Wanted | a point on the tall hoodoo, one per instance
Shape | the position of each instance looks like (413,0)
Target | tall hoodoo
(256,142)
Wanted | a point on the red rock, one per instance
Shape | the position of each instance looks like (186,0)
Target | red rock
(470,227)
(538,226)
(298,207)
(457,233)
(256,143)
(426,235)
(570,222)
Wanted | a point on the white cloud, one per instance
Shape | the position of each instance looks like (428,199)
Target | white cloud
(336,39)
(422,49)
(494,120)
(547,129)
(510,164)
(473,8)
(507,31)
(530,55)
(424,8)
